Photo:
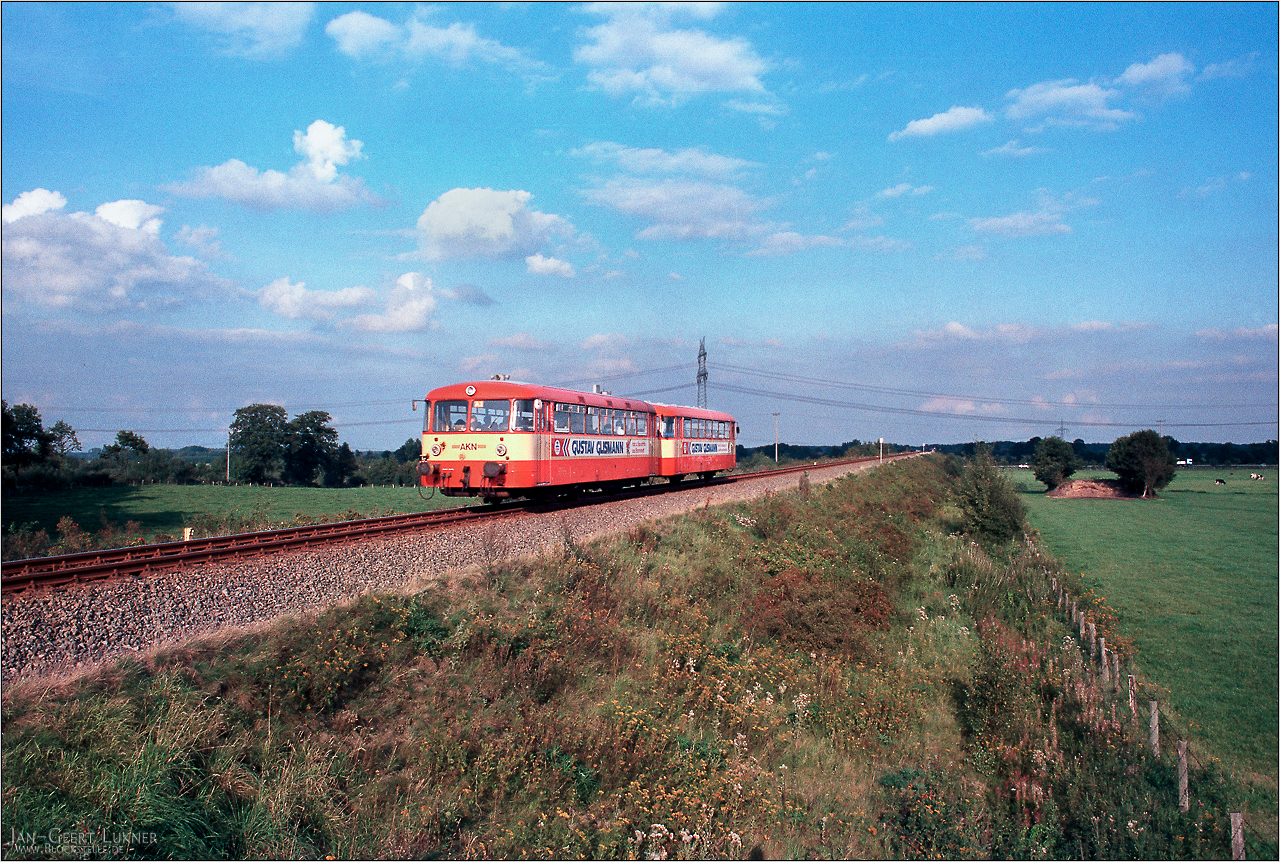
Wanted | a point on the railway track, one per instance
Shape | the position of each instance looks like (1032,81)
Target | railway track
(21,575)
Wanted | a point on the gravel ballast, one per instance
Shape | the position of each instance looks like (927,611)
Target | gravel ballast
(65,630)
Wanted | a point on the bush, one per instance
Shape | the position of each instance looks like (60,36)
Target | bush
(989,507)
(1142,461)
(1055,460)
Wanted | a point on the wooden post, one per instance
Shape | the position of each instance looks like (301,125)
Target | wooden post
(1093,640)
(1133,697)
(1154,735)
(1115,666)
(1106,670)
(1237,835)
(1184,798)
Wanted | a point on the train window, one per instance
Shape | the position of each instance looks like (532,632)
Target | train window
(642,424)
(523,416)
(450,416)
(493,416)
(562,418)
(593,422)
(631,424)
(668,428)
(578,421)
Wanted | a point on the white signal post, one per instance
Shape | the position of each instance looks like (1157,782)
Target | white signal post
(775,438)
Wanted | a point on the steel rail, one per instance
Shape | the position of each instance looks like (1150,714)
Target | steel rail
(18,576)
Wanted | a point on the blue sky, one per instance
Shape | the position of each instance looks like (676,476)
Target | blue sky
(923,222)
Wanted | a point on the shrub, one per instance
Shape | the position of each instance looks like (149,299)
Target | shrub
(989,507)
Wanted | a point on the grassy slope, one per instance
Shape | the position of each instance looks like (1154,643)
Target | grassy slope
(836,678)
(1192,577)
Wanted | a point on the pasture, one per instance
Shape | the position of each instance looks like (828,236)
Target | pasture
(166,509)
(1192,577)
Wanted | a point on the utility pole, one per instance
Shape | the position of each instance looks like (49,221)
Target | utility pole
(702,373)
(775,438)
(228,456)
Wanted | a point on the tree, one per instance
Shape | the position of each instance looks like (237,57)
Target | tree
(1142,461)
(127,441)
(341,468)
(26,441)
(64,438)
(312,446)
(1054,461)
(259,433)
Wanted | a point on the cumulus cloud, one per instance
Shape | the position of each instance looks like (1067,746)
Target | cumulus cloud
(295,302)
(255,30)
(1166,75)
(132,215)
(1066,103)
(790,242)
(112,259)
(1014,149)
(540,265)
(408,307)
(468,223)
(312,184)
(367,37)
(34,202)
(640,51)
(1261,333)
(953,119)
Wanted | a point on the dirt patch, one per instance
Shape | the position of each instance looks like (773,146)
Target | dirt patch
(1095,489)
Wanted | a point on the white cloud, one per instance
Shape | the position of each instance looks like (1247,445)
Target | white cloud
(903,188)
(295,302)
(1067,103)
(540,265)
(111,260)
(682,208)
(1015,149)
(953,119)
(202,239)
(689,161)
(1262,333)
(255,30)
(1022,224)
(367,37)
(520,341)
(313,184)
(1045,220)
(486,223)
(638,50)
(790,242)
(408,307)
(131,214)
(34,202)
(1166,75)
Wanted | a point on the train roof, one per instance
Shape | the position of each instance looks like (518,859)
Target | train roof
(519,389)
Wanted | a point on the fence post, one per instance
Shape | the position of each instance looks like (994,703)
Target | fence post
(1106,669)
(1093,640)
(1237,835)
(1184,798)
(1154,735)
(1133,697)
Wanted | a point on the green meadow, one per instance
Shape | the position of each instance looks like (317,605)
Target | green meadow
(1192,579)
(166,509)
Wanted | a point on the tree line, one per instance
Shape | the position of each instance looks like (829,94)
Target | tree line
(1009,452)
(267,447)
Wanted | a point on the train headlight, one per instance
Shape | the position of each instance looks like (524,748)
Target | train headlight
(436,450)
(501,449)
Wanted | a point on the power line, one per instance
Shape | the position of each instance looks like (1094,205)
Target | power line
(965,417)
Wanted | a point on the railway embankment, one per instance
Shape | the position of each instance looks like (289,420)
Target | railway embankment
(831,671)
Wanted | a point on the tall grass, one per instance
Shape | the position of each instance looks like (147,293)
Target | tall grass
(842,676)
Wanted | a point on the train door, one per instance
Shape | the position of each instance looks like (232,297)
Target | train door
(651,438)
(541,443)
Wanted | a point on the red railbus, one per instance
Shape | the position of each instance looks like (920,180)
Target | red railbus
(498,438)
